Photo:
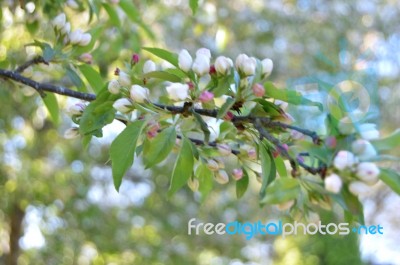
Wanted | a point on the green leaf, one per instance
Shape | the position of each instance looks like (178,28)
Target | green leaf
(223,85)
(48,53)
(281,190)
(51,103)
(163,76)
(242,185)
(225,107)
(75,79)
(280,167)
(203,126)
(390,178)
(170,57)
(268,168)
(390,142)
(206,181)
(98,113)
(122,150)
(289,96)
(113,15)
(194,4)
(157,149)
(130,10)
(183,167)
(92,76)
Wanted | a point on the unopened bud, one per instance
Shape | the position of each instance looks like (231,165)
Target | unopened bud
(123,105)
(114,86)
(193,184)
(206,96)
(333,183)
(224,149)
(258,90)
(221,177)
(71,133)
(237,173)
(135,59)
(212,165)
(86,58)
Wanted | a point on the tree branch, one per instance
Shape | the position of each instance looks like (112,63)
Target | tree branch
(36,60)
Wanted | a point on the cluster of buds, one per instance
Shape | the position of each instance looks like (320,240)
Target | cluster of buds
(367,131)
(137,94)
(366,173)
(77,37)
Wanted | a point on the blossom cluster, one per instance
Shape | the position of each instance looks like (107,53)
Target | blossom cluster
(63,28)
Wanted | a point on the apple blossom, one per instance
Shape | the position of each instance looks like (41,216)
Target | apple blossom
(333,183)
(363,149)
(178,91)
(359,188)
(185,60)
(344,159)
(201,65)
(124,79)
(71,133)
(149,66)
(66,29)
(246,65)
(221,177)
(368,131)
(368,172)
(123,105)
(206,96)
(59,21)
(77,109)
(252,153)
(72,4)
(224,149)
(135,59)
(223,65)
(212,165)
(86,58)
(203,52)
(267,66)
(237,173)
(85,39)
(258,90)
(139,94)
(114,86)
(76,36)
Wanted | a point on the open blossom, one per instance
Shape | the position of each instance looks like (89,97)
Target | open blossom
(59,21)
(333,183)
(223,65)
(344,159)
(363,149)
(201,64)
(246,65)
(185,60)
(368,131)
(258,90)
(206,96)
(149,66)
(237,173)
(267,66)
(368,172)
(359,188)
(123,105)
(285,205)
(114,86)
(139,94)
(178,91)
(221,177)
(224,149)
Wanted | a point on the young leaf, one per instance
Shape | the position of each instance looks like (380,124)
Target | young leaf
(159,148)
(390,178)
(225,107)
(389,142)
(163,76)
(112,14)
(241,185)
(183,167)
(170,57)
(268,168)
(194,4)
(280,167)
(130,10)
(122,150)
(51,103)
(76,80)
(92,76)
(206,181)
(281,190)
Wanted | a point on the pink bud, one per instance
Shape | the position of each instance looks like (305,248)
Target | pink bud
(191,85)
(116,71)
(258,90)
(229,116)
(206,96)
(151,134)
(237,173)
(224,149)
(212,71)
(135,58)
(86,58)
(252,153)
(154,127)
(330,142)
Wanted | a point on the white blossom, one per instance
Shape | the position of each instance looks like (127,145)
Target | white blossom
(178,91)
(76,36)
(368,131)
(363,149)
(139,94)
(149,66)
(114,86)
(344,159)
(201,65)
(359,188)
(267,66)
(368,172)
(223,65)
(185,60)
(123,105)
(59,21)
(124,79)
(85,39)
(333,183)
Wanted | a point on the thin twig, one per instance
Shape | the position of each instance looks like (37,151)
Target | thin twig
(36,60)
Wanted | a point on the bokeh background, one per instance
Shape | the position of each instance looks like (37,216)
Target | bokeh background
(57,201)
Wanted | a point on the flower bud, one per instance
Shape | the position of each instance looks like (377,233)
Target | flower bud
(212,70)
(123,105)
(331,142)
(139,94)
(346,126)
(267,66)
(221,177)
(333,183)
(114,86)
(237,173)
(285,205)
(206,96)
(363,149)
(224,149)
(193,184)
(223,65)
(178,91)
(135,58)
(59,21)
(368,131)
(76,109)
(185,60)
(85,39)
(149,66)
(252,153)
(124,79)
(258,90)
(203,52)
(229,116)
(86,58)
(344,159)
(368,172)
(71,133)
(66,29)
(359,188)
(201,65)
(212,165)
(76,36)
(246,65)
(72,4)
